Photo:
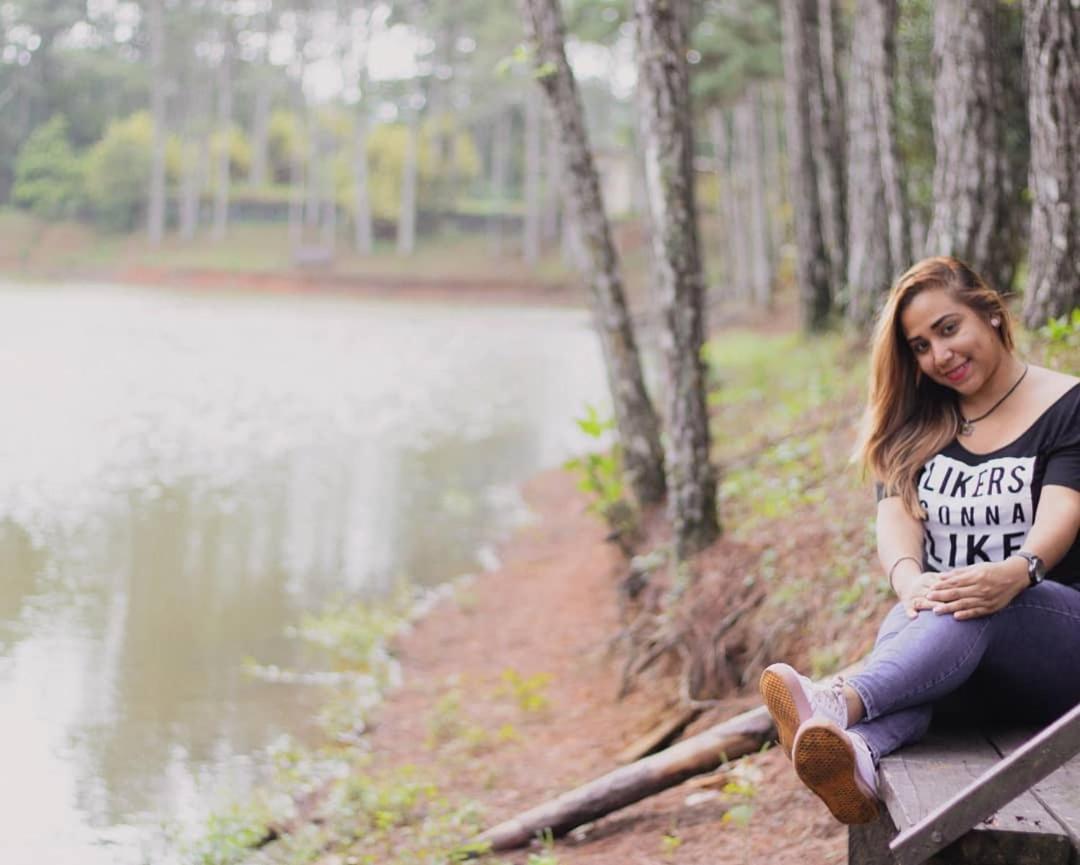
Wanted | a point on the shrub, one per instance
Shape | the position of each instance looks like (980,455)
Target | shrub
(48,174)
(118,171)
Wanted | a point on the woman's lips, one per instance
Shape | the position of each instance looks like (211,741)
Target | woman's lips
(959,373)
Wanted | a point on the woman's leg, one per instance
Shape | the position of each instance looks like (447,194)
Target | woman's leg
(1030,651)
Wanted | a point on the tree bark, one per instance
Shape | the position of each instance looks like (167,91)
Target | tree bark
(1052,58)
(741,735)
(533,203)
(500,179)
(829,138)
(800,38)
(748,126)
(976,184)
(406,234)
(196,157)
(363,234)
(155,209)
(776,194)
(877,230)
(224,125)
(732,226)
(260,119)
(639,430)
(664,95)
(552,202)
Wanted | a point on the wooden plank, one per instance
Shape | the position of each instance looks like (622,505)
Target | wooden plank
(993,791)
(1059,793)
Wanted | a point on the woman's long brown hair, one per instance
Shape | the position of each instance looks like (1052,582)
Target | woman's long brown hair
(909,418)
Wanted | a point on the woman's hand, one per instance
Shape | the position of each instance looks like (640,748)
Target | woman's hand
(978,590)
(914,593)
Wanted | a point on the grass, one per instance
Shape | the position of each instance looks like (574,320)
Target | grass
(33,248)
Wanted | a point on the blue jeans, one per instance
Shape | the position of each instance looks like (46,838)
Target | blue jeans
(1022,661)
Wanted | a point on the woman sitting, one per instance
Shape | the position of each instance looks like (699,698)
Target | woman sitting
(977,455)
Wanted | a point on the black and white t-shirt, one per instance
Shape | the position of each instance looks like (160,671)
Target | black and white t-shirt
(980,506)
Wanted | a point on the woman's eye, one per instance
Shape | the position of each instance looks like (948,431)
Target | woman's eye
(949,329)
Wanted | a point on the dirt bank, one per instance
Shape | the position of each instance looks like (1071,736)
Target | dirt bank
(551,608)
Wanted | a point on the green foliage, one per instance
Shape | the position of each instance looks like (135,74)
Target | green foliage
(738,44)
(669,844)
(118,171)
(230,836)
(599,472)
(239,149)
(1063,331)
(528,692)
(285,141)
(48,174)
(446,156)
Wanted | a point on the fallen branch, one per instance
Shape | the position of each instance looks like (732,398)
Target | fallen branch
(702,753)
(744,734)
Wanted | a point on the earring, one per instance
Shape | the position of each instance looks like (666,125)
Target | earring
(995,322)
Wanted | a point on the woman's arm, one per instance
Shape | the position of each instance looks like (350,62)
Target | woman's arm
(900,551)
(982,589)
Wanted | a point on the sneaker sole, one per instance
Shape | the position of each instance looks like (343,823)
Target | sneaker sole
(825,762)
(783,696)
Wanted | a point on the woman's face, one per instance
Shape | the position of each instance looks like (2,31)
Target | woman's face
(952,343)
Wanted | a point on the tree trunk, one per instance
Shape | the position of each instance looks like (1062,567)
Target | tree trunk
(552,200)
(196,156)
(500,171)
(727,207)
(636,420)
(776,185)
(976,187)
(363,234)
(221,188)
(877,230)
(155,209)
(260,119)
(800,37)
(531,240)
(312,189)
(729,740)
(748,126)
(260,132)
(664,95)
(406,234)
(1052,56)
(827,134)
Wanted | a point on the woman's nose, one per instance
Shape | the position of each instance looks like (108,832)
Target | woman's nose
(942,355)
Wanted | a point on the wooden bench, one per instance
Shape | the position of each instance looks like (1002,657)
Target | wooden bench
(979,798)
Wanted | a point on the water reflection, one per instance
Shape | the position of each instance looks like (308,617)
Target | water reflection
(181,477)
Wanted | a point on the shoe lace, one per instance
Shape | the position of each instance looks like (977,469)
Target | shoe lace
(829,700)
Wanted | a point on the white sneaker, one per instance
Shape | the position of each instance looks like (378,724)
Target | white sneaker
(793,699)
(836,765)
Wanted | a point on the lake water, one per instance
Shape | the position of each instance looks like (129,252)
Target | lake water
(183,475)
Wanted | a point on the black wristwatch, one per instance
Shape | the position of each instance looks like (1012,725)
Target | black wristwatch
(1036,568)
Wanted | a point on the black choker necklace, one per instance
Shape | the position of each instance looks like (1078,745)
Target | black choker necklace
(967,426)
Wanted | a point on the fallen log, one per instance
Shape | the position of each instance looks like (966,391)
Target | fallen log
(702,753)
(662,734)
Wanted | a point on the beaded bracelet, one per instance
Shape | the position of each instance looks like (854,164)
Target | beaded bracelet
(892,570)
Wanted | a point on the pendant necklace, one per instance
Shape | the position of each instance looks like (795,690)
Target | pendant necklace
(967,425)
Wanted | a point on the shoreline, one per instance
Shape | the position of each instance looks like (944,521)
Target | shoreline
(550,612)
